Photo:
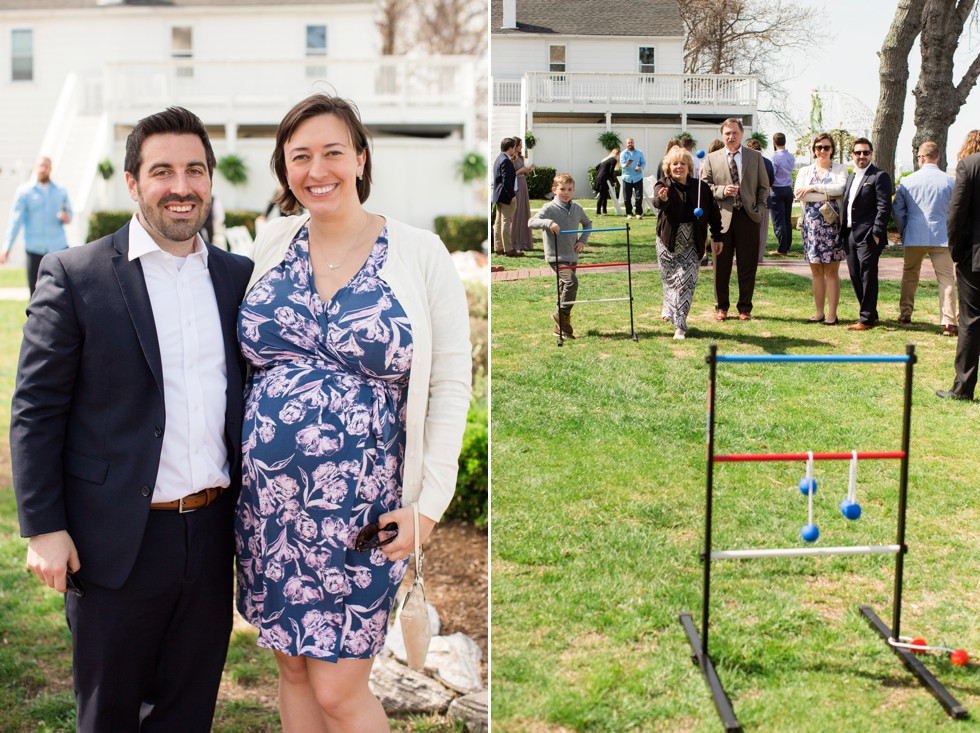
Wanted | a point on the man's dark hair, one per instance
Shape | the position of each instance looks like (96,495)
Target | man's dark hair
(506,144)
(779,139)
(314,106)
(172,121)
(859,140)
(688,142)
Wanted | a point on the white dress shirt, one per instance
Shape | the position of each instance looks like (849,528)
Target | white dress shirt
(195,376)
(852,191)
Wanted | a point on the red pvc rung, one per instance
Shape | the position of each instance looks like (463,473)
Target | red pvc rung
(600,264)
(868,455)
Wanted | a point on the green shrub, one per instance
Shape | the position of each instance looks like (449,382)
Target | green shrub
(241,218)
(233,169)
(462,232)
(102,223)
(470,502)
(539,182)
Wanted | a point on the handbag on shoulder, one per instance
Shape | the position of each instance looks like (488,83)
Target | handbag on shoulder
(413,616)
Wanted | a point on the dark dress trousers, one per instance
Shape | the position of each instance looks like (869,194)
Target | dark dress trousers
(963,230)
(870,211)
(87,422)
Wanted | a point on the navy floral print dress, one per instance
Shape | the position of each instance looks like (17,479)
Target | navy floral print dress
(820,244)
(323,448)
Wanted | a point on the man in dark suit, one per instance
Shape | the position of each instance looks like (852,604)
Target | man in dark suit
(864,219)
(125,441)
(963,233)
(737,176)
(504,178)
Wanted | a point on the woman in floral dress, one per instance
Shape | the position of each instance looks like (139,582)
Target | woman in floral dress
(356,329)
(819,187)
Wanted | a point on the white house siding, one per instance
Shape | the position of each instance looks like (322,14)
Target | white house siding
(245,44)
(513,56)
(574,148)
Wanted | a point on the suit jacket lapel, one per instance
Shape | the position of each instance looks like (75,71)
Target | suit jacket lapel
(228,303)
(134,293)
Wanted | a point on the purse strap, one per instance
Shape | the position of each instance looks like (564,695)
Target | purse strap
(418,545)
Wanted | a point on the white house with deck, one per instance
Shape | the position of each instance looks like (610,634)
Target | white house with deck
(569,70)
(75,75)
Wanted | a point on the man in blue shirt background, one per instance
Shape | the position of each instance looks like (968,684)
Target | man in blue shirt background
(41,209)
(632,161)
(781,195)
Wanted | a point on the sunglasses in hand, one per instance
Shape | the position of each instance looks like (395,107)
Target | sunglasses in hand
(368,539)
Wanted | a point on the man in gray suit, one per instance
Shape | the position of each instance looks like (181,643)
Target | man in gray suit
(737,176)
(963,230)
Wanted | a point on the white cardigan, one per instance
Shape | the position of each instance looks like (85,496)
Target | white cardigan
(424,280)
(825,191)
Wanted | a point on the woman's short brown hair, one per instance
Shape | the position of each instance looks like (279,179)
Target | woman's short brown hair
(314,106)
(824,136)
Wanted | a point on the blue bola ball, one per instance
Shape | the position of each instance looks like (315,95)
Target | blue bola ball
(803,486)
(698,212)
(700,153)
(850,509)
(810,532)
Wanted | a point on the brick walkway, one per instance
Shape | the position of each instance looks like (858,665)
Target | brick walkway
(889,268)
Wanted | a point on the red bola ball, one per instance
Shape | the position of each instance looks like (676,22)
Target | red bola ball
(919,641)
(960,658)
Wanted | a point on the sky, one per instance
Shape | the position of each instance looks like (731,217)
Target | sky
(843,57)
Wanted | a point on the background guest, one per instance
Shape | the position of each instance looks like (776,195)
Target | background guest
(633,163)
(520,232)
(919,209)
(764,220)
(781,195)
(605,174)
(504,178)
(681,236)
(818,188)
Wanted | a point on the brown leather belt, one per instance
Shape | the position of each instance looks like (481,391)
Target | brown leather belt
(189,503)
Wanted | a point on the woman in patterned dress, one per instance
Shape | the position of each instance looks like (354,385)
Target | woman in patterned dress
(818,186)
(520,232)
(682,236)
(357,332)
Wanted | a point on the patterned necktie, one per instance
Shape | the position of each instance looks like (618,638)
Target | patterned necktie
(733,169)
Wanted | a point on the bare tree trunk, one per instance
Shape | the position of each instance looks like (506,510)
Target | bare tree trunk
(937,99)
(894,80)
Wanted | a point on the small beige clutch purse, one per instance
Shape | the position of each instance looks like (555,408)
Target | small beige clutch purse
(413,616)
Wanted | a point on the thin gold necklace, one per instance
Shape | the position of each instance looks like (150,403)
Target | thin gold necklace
(357,238)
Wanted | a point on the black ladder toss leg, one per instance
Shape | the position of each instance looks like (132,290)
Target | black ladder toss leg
(561,336)
(629,278)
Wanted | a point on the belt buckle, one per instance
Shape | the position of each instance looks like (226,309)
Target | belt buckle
(180,506)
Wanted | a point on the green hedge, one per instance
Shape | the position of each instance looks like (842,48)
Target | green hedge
(241,218)
(470,502)
(462,232)
(103,223)
(539,182)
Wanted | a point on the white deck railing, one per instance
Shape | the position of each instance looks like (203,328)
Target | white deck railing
(507,92)
(437,84)
(719,90)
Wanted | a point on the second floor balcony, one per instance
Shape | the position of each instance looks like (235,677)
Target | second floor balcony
(636,93)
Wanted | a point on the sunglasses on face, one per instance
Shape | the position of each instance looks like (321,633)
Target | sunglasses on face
(367,538)
(822,147)
(861,152)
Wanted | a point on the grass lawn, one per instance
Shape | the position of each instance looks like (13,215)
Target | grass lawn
(35,657)
(598,473)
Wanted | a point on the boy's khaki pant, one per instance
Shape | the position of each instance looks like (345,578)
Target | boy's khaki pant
(567,288)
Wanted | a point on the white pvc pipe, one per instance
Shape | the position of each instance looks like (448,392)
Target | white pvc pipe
(805,551)
(600,300)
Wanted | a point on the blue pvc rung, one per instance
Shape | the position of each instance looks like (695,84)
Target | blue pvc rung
(813,357)
(580,231)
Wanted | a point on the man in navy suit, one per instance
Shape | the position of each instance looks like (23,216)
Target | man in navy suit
(504,178)
(125,442)
(867,207)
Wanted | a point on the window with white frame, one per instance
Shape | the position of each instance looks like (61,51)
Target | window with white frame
(647,59)
(316,46)
(556,59)
(182,47)
(21,55)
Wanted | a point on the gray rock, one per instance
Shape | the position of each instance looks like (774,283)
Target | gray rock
(402,690)
(455,661)
(472,711)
